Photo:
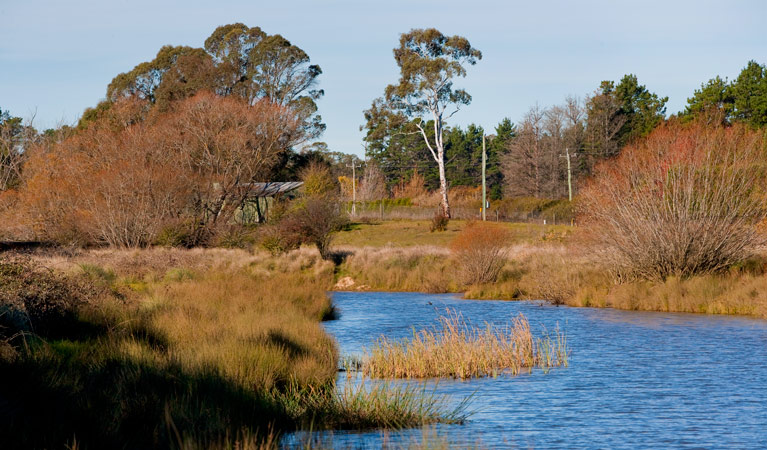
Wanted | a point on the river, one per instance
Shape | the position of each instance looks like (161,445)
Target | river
(635,379)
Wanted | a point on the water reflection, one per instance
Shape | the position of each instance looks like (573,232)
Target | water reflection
(636,380)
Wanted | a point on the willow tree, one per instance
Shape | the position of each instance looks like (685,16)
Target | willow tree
(425,97)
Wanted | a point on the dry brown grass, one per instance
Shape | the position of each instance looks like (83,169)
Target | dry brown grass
(259,332)
(460,350)
(561,274)
(741,294)
(213,349)
(421,269)
(139,263)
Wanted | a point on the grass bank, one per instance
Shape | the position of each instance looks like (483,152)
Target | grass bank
(541,263)
(172,348)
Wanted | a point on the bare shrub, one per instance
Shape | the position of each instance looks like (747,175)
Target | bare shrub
(311,219)
(683,201)
(481,251)
(373,183)
(439,222)
(102,186)
(414,187)
(314,221)
(125,178)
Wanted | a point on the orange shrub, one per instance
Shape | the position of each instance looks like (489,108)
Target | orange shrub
(683,201)
(125,177)
(480,250)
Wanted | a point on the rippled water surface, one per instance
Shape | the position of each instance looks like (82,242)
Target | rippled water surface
(635,380)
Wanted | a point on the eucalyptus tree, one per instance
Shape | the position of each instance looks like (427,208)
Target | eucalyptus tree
(429,61)
(236,60)
(15,138)
(255,65)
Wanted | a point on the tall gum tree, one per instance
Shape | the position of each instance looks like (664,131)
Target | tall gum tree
(237,61)
(429,61)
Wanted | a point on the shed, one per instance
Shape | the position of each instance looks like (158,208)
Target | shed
(260,195)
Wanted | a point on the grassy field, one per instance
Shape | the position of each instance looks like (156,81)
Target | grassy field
(407,233)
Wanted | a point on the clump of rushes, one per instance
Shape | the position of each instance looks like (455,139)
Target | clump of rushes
(363,404)
(459,350)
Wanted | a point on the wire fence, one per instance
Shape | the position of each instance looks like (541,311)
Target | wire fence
(380,211)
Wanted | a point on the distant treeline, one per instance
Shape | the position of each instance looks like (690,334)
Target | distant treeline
(528,159)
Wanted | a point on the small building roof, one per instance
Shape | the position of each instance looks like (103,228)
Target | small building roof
(271,188)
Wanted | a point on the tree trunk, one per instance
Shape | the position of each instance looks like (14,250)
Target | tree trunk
(444,205)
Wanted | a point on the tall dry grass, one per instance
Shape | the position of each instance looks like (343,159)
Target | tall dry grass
(569,275)
(460,350)
(418,269)
(227,351)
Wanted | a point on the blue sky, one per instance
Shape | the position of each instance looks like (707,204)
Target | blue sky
(56,57)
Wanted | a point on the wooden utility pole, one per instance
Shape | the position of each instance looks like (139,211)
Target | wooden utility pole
(484,183)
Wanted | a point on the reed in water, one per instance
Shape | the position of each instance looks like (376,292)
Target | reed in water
(456,349)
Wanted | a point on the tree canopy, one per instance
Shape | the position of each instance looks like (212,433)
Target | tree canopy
(741,100)
(236,61)
(15,136)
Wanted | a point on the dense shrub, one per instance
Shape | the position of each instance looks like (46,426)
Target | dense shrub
(480,250)
(175,234)
(318,181)
(234,236)
(683,201)
(439,222)
(36,300)
(277,238)
(314,221)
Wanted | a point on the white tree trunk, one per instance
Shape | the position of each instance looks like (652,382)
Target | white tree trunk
(439,157)
(444,205)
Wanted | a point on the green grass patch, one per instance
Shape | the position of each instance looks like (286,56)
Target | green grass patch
(409,233)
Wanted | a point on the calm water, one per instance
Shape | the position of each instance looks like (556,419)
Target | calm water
(635,380)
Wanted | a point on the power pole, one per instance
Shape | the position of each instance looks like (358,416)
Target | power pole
(484,183)
(569,174)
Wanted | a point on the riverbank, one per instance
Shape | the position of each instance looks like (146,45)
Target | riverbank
(163,348)
(541,263)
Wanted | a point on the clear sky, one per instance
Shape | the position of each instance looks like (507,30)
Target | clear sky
(57,57)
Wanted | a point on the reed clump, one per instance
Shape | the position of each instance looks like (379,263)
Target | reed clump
(364,404)
(458,350)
